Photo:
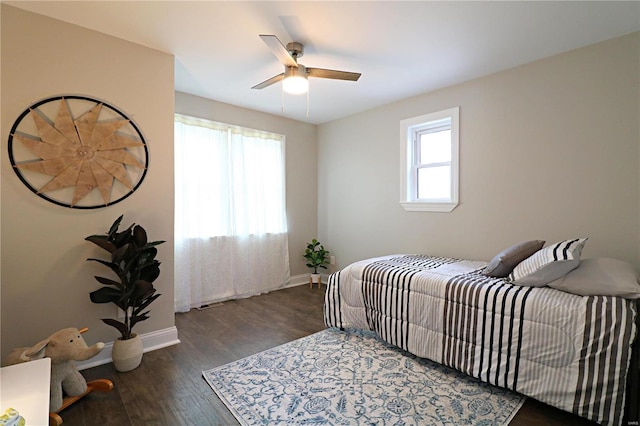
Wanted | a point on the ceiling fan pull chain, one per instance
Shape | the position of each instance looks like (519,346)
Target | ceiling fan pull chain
(282,100)
(308,103)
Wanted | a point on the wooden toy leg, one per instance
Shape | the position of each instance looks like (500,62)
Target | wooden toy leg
(99,385)
(55,419)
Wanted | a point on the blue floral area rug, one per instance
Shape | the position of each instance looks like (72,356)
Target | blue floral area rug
(353,378)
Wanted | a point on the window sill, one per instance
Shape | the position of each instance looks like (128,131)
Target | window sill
(416,206)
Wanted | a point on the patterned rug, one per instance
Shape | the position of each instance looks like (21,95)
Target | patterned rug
(353,378)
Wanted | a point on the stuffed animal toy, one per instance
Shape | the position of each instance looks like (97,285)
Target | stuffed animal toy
(64,347)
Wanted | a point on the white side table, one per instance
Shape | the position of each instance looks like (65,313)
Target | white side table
(25,387)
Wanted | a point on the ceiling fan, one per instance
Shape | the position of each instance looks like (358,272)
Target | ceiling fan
(295,75)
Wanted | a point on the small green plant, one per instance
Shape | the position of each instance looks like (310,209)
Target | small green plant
(316,255)
(133,261)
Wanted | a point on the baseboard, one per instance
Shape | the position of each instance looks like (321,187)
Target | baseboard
(294,281)
(150,342)
(304,279)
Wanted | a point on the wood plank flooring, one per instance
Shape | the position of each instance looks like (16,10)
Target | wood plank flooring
(168,388)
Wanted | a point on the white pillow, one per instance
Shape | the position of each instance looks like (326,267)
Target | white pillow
(548,264)
(601,276)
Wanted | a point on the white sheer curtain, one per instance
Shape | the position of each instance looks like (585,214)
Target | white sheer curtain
(231,228)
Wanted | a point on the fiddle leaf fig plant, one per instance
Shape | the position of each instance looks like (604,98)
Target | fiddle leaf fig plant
(132,260)
(316,255)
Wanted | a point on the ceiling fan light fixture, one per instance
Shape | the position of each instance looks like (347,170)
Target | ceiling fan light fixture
(295,80)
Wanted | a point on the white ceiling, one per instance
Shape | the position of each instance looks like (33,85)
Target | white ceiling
(401,48)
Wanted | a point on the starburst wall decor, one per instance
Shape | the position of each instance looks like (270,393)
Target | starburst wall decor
(78,152)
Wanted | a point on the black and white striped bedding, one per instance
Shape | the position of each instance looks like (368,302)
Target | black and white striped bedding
(568,351)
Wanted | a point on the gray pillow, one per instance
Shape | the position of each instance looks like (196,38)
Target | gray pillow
(548,264)
(504,262)
(601,276)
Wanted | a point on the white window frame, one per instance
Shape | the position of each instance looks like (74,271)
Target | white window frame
(409,131)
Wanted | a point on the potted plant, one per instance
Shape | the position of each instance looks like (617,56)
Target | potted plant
(133,261)
(317,257)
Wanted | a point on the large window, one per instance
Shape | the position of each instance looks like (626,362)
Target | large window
(429,161)
(231,227)
(230,180)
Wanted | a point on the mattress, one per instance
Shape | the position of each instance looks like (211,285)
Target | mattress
(568,351)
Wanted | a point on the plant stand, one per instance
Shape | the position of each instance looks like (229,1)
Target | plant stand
(315,279)
(99,385)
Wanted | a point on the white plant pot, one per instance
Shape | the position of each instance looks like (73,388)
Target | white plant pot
(127,354)
(315,278)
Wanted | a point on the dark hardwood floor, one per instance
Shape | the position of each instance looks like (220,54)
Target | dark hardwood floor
(168,388)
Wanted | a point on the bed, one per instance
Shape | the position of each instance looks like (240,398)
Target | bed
(535,335)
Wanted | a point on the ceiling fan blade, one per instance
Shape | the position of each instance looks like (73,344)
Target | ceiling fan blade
(337,75)
(269,82)
(279,50)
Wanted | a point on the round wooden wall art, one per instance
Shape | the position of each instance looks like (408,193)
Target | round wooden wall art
(78,152)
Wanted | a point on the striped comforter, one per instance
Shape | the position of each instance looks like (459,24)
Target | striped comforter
(568,351)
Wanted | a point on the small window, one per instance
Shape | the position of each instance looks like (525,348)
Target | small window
(429,161)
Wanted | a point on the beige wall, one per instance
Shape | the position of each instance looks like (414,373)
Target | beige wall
(45,278)
(301,161)
(549,150)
